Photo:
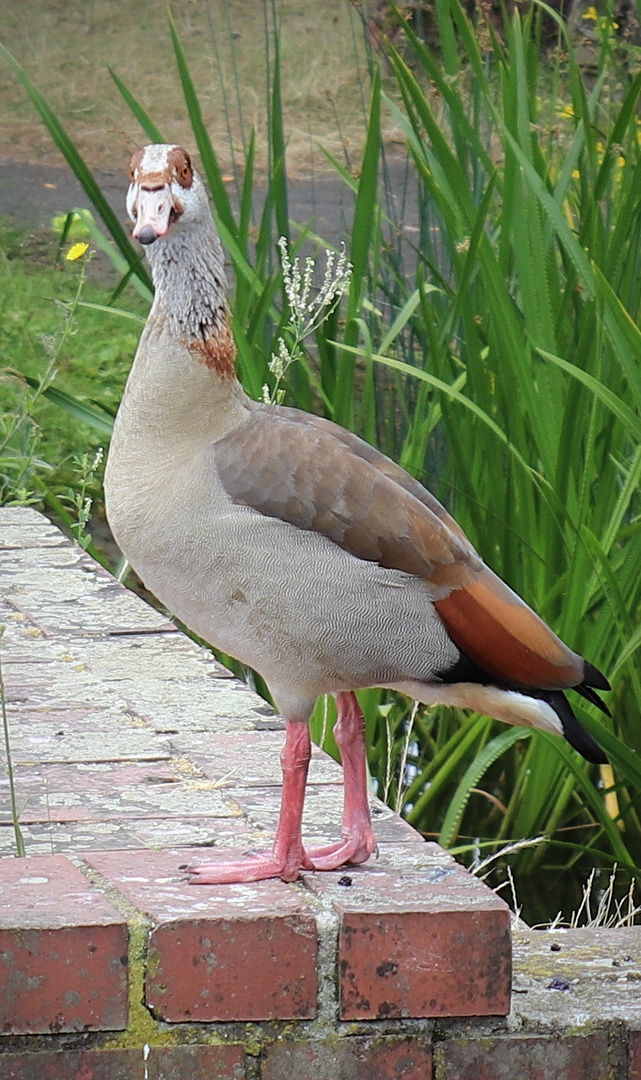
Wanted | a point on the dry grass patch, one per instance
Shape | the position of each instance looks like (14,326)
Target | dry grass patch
(67,46)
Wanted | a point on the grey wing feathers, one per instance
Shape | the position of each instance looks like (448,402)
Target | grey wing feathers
(317,476)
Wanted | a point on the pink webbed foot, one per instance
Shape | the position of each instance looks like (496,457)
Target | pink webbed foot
(254,867)
(287,857)
(350,851)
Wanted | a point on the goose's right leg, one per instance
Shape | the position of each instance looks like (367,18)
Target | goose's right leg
(287,857)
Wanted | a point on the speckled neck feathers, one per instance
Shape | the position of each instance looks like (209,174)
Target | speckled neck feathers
(187,267)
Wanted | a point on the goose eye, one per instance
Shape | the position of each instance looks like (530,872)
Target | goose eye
(185,171)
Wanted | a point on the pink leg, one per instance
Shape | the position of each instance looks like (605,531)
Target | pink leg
(358,841)
(287,857)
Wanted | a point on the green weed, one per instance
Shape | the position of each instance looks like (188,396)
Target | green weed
(15,813)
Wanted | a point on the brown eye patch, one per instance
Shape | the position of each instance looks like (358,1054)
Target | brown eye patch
(180,162)
(135,163)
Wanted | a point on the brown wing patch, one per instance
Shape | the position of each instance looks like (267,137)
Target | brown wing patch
(500,633)
(381,463)
(315,475)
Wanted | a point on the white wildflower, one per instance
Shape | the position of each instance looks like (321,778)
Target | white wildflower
(307,312)
(280,361)
(305,305)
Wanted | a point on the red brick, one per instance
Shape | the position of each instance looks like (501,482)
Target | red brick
(634,1049)
(430,941)
(162,1063)
(63,950)
(525,1057)
(196,1063)
(352,1058)
(226,952)
(73,1065)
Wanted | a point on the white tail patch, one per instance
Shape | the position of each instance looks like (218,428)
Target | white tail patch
(510,706)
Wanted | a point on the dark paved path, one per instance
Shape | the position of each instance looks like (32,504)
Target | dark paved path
(32,194)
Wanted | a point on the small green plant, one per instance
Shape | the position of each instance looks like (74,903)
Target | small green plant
(87,467)
(20,433)
(21,468)
(15,815)
(19,438)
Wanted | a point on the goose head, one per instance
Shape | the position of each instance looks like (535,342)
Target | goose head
(165,192)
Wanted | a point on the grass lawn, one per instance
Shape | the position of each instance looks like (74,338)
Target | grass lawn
(92,365)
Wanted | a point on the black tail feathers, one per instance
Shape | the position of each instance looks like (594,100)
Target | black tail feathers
(574,732)
(591,695)
(593,677)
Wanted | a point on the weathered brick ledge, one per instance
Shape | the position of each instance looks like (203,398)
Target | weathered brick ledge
(133,750)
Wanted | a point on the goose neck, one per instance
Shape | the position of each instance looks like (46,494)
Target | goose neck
(188,272)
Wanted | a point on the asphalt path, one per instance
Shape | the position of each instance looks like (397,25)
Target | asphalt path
(32,194)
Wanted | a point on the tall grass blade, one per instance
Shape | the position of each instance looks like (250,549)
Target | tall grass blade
(142,116)
(91,415)
(473,774)
(15,816)
(212,169)
(361,241)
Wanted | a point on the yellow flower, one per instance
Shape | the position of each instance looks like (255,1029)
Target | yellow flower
(566,110)
(76,252)
(591,13)
(576,175)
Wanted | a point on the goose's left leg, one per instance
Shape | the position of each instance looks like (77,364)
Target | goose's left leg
(357,843)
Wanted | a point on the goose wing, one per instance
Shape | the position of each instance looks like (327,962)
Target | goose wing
(319,477)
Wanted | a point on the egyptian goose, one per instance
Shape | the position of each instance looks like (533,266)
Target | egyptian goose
(296,547)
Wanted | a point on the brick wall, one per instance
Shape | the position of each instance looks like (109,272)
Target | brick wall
(134,752)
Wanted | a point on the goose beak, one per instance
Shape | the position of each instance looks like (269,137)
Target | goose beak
(153,210)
